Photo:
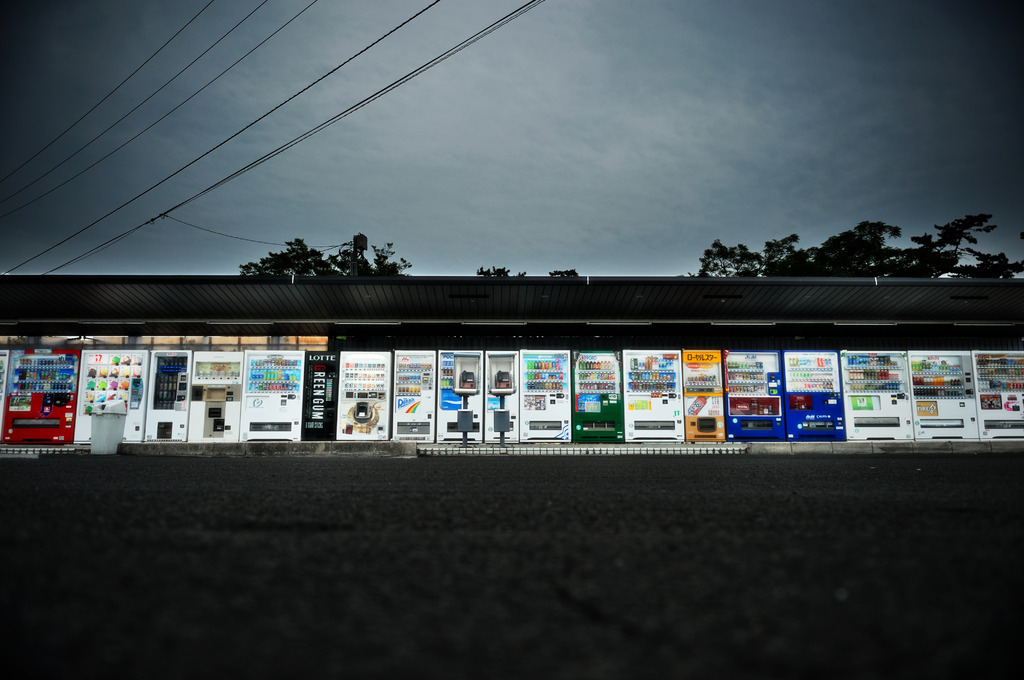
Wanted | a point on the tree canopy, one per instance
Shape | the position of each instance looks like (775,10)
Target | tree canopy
(865,250)
(301,260)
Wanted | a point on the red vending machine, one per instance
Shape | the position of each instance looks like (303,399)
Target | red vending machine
(40,404)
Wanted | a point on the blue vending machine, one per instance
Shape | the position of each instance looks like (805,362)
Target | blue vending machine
(814,398)
(753,396)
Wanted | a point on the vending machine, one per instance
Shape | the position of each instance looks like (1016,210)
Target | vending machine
(449,403)
(703,391)
(501,369)
(814,403)
(215,413)
(109,376)
(41,387)
(942,383)
(364,408)
(753,396)
(653,394)
(415,395)
(272,395)
(877,388)
(1000,377)
(5,357)
(598,414)
(168,402)
(545,403)
(320,396)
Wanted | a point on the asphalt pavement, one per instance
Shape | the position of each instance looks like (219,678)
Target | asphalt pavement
(720,566)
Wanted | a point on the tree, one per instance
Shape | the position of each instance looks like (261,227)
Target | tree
(564,272)
(301,260)
(865,251)
(496,271)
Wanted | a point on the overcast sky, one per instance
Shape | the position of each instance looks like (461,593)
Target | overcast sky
(612,137)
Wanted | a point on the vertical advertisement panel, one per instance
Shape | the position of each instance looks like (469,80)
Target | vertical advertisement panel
(545,404)
(944,401)
(110,376)
(320,396)
(41,395)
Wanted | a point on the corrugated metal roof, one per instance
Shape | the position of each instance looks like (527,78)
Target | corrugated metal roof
(236,305)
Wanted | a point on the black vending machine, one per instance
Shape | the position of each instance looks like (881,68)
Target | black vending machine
(320,396)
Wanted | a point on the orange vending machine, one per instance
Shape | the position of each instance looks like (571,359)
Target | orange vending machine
(703,400)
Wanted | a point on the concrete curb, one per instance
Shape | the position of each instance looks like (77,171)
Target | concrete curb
(266,449)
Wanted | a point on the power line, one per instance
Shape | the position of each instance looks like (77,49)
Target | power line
(508,18)
(108,95)
(243,238)
(211,150)
(119,120)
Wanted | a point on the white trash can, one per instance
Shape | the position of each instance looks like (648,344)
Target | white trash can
(108,427)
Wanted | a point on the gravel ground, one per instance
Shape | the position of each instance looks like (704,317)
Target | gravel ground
(483,567)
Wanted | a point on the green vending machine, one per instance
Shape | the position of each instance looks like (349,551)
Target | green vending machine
(598,414)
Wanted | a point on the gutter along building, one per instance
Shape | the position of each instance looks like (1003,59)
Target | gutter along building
(666,316)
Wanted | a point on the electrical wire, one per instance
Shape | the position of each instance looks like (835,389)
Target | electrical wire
(243,238)
(508,18)
(207,153)
(119,120)
(108,95)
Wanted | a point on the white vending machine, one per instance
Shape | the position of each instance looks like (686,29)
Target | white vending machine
(216,410)
(942,382)
(108,376)
(415,395)
(272,395)
(167,415)
(653,394)
(877,395)
(501,369)
(364,408)
(545,398)
(1000,377)
(449,404)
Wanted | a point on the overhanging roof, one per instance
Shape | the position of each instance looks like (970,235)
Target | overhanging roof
(283,305)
